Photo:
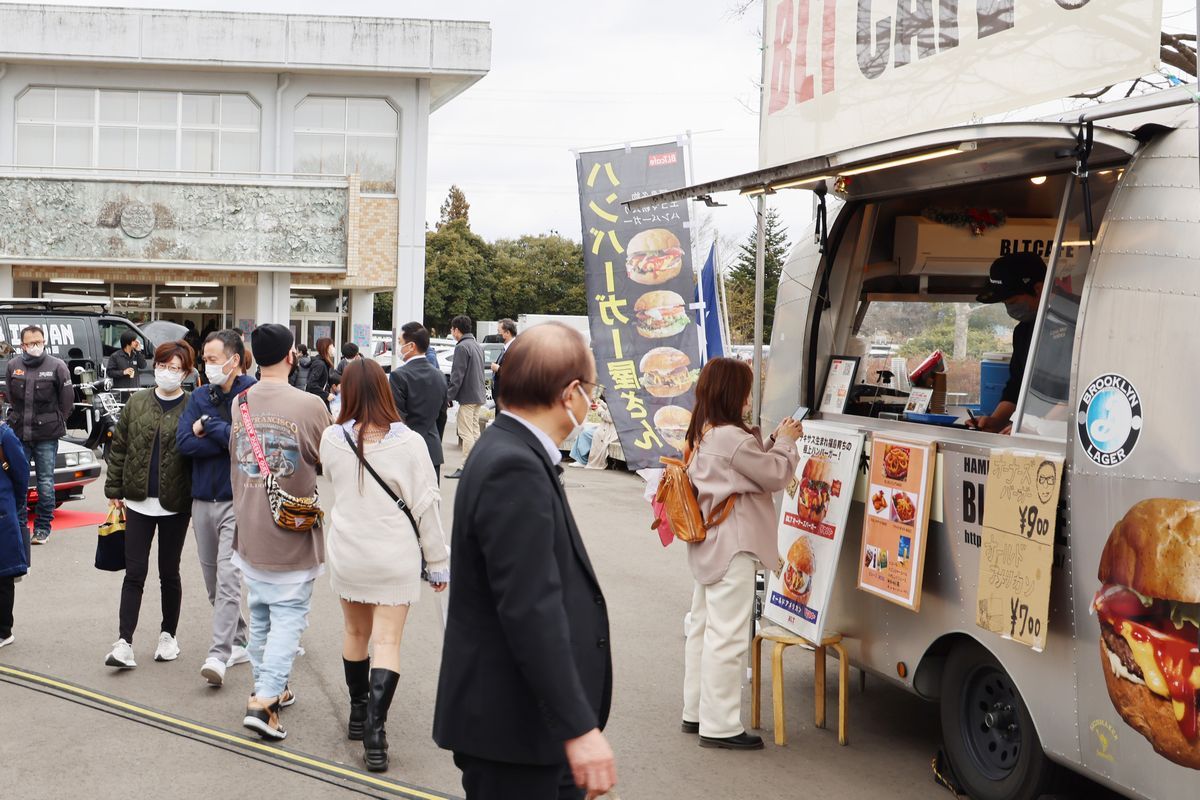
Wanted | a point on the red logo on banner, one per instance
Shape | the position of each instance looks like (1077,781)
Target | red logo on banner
(662,159)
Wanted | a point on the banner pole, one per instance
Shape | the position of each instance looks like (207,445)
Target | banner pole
(760,260)
(722,301)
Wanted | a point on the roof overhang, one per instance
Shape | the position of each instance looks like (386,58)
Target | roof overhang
(950,156)
(451,54)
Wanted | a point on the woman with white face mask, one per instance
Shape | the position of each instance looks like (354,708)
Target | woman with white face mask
(152,481)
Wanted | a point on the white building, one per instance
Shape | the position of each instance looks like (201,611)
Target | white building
(223,168)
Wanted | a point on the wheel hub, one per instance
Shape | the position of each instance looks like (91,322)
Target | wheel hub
(991,722)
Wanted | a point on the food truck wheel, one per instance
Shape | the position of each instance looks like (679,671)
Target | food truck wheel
(989,737)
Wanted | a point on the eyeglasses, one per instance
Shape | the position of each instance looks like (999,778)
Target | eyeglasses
(171,368)
(597,390)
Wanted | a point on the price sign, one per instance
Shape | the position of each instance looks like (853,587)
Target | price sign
(1018,545)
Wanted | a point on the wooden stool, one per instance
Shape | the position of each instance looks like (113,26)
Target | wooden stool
(783,640)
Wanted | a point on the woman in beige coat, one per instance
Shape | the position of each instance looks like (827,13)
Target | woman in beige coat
(373,553)
(729,463)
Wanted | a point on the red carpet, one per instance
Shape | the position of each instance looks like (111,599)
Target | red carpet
(65,519)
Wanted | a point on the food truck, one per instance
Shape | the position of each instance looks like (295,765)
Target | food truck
(1109,199)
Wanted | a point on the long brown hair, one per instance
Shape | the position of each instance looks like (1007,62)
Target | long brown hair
(322,347)
(721,394)
(367,400)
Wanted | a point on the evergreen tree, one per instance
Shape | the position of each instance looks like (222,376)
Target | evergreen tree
(740,285)
(455,208)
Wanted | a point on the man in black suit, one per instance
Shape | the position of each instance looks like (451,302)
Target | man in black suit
(508,332)
(526,678)
(419,390)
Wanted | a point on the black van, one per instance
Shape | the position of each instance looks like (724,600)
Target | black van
(81,333)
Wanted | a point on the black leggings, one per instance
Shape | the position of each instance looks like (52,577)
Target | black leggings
(139,534)
(7,595)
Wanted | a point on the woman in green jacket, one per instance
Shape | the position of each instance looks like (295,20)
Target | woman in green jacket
(152,481)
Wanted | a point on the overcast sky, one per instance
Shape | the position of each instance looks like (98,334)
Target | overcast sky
(568,75)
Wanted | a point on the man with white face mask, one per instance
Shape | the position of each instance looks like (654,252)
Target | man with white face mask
(526,604)
(41,399)
(203,436)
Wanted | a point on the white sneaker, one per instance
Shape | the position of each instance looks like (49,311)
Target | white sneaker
(168,648)
(213,671)
(239,655)
(121,656)
(8,641)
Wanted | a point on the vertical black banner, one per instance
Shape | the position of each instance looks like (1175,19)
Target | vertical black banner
(640,283)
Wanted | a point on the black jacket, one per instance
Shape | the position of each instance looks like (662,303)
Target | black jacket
(299,376)
(419,390)
(526,662)
(120,361)
(318,382)
(41,397)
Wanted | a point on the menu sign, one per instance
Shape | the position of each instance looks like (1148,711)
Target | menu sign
(892,559)
(812,525)
(838,383)
(1018,545)
(638,270)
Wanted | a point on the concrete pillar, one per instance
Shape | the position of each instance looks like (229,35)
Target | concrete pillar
(245,307)
(273,298)
(362,311)
(6,280)
(409,301)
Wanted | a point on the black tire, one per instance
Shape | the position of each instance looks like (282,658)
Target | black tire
(987,732)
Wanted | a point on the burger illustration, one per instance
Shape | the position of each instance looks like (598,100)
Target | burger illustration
(813,501)
(665,372)
(798,570)
(1149,609)
(660,314)
(672,424)
(653,257)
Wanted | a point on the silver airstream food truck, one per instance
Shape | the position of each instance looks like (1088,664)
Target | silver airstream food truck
(1111,200)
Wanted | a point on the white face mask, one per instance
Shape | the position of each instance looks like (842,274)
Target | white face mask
(571,412)
(215,373)
(35,350)
(166,380)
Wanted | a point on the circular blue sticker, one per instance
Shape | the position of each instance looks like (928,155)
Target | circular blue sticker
(1109,419)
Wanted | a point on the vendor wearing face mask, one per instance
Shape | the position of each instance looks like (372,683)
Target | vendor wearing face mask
(41,399)
(152,481)
(1015,280)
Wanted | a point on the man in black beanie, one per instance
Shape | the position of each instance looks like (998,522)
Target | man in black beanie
(283,438)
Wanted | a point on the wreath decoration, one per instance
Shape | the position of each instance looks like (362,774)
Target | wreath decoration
(977,220)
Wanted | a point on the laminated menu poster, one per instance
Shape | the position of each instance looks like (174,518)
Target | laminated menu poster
(1018,545)
(812,525)
(892,559)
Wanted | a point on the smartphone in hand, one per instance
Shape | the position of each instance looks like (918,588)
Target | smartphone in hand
(800,413)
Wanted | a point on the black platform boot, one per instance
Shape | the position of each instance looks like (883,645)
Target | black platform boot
(383,687)
(358,681)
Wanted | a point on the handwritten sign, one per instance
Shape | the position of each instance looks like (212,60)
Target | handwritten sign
(1018,545)
(892,559)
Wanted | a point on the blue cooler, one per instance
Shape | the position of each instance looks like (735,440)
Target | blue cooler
(993,375)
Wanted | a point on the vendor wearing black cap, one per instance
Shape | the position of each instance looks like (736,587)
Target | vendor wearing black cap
(1015,280)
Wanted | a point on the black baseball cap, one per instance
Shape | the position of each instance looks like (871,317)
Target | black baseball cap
(1012,275)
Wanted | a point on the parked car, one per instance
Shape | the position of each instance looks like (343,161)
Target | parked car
(75,467)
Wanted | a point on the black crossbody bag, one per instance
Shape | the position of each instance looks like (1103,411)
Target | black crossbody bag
(399,501)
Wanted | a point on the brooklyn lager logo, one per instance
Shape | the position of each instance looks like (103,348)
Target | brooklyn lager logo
(1109,419)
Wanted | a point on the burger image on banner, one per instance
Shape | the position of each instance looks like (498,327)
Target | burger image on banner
(672,424)
(660,314)
(812,502)
(798,570)
(666,373)
(653,257)
(1149,610)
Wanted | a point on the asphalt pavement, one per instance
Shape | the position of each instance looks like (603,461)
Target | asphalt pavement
(66,621)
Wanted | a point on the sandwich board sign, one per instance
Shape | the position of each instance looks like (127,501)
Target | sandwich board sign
(812,526)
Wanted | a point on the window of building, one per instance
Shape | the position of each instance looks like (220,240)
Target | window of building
(203,304)
(111,129)
(343,136)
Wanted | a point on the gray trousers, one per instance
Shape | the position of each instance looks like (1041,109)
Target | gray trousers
(213,523)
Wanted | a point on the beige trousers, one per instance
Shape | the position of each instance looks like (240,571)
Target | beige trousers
(717,643)
(468,426)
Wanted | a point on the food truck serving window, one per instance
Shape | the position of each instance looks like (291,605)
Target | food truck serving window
(1048,378)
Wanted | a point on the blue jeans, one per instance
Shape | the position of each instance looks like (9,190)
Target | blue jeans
(278,616)
(583,444)
(42,456)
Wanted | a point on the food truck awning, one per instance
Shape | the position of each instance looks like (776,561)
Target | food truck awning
(945,157)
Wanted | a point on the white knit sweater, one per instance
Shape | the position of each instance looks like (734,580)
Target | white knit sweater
(371,549)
